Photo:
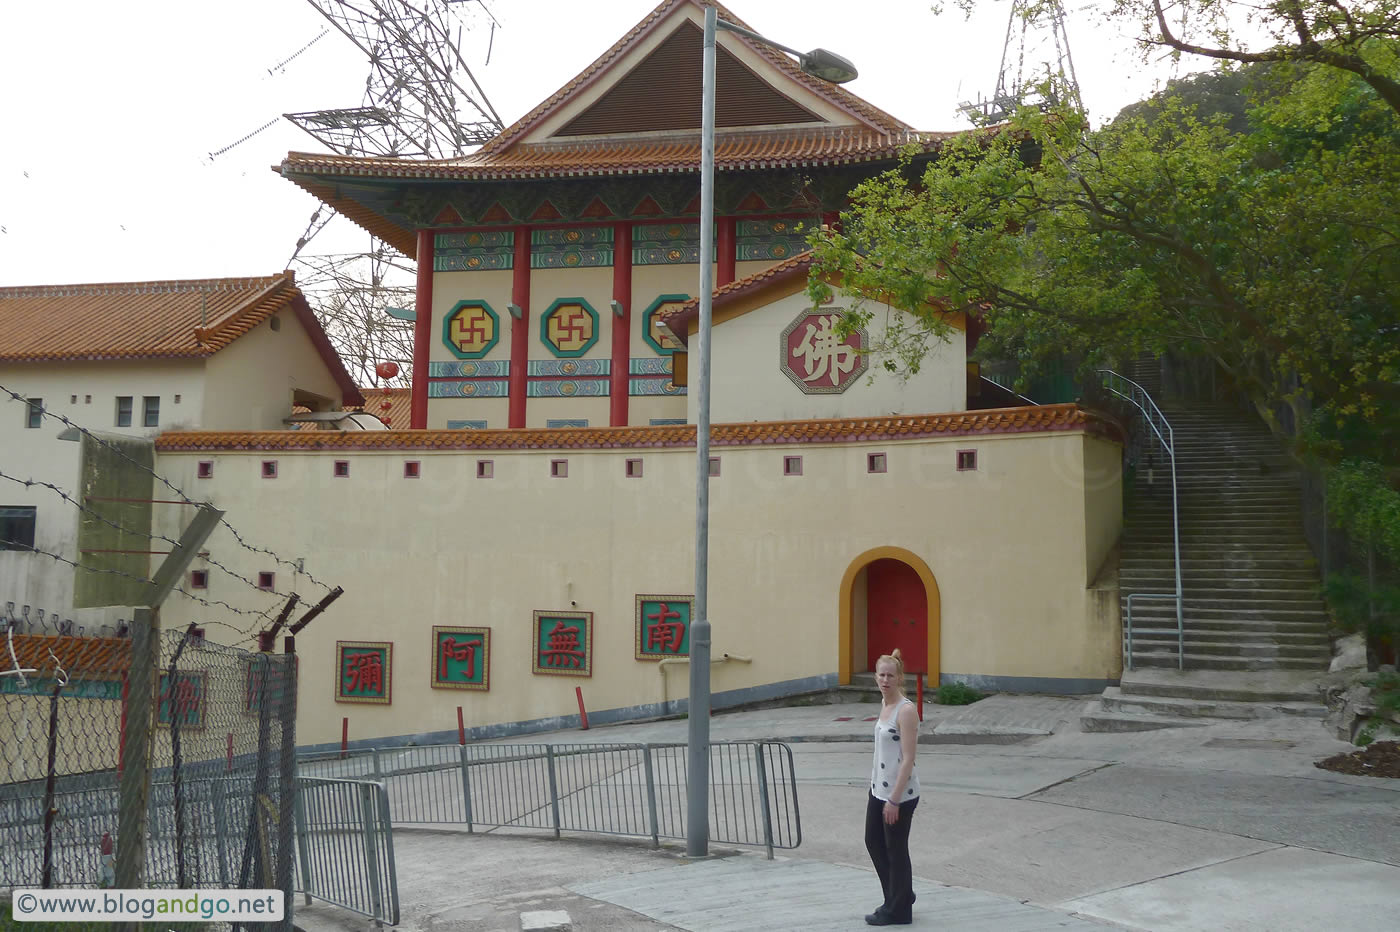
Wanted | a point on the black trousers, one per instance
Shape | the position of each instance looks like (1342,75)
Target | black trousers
(889,851)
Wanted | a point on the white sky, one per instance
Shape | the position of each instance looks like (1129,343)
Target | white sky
(111,110)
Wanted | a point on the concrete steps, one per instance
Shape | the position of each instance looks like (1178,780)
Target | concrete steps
(1251,607)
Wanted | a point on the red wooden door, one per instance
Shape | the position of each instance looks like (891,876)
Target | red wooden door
(896,613)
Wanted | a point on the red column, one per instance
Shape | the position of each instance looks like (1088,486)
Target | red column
(422,332)
(621,325)
(520,327)
(725,250)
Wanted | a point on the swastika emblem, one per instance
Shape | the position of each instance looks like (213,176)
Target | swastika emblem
(471,329)
(569,327)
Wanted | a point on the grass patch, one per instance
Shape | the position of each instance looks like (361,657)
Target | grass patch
(957,694)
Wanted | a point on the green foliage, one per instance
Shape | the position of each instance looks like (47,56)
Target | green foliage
(1361,502)
(1273,253)
(957,694)
(1385,691)
(1356,606)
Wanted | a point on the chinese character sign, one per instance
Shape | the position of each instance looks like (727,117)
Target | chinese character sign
(563,643)
(816,358)
(363,671)
(183,700)
(663,626)
(461,658)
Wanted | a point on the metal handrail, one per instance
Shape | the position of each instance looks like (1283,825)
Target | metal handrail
(1136,395)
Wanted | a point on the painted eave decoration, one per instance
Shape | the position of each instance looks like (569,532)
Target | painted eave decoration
(609,121)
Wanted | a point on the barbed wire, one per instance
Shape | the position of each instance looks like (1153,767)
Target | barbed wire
(137,531)
(207,603)
(45,412)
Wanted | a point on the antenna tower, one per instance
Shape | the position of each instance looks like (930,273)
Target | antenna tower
(1036,67)
(417,86)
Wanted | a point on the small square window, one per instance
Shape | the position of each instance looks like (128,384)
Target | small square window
(150,411)
(485,469)
(269,469)
(341,469)
(792,465)
(267,580)
(412,469)
(967,459)
(33,412)
(714,466)
(199,579)
(17,526)
(634,469)
(123,410)
(87,399)
(205,469)
(559,469)
(73,399)
(875,462)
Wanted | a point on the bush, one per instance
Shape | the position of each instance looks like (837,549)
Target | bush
(958,694)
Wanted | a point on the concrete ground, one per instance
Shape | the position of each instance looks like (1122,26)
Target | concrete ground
(1025,823)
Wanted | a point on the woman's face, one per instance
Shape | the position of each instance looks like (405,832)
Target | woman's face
(887,677)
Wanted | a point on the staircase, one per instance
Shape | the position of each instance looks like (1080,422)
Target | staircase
(1250,583)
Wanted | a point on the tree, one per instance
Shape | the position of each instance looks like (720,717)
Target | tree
(1272,253)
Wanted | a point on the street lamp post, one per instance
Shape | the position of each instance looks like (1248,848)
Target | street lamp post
(829,67)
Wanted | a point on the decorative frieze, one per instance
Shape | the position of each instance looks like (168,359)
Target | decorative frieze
(584,247)
(770,239)
(474,252)
(659,386)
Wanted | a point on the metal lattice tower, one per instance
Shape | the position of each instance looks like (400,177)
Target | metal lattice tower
(416,87)
(1034,57)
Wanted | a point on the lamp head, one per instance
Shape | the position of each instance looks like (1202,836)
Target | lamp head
(828,66)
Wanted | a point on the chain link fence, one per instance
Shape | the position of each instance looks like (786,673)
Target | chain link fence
(190,786)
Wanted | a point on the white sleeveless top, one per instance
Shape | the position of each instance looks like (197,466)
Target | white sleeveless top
(888,756)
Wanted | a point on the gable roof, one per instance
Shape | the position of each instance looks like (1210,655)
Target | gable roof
(191,319)
(673,15)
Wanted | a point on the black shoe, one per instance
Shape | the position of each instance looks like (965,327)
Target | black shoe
(882,918)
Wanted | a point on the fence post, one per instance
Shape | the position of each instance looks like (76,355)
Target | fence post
(466,786)
(374,758)
(763,799)
(368,825)
(553,787)
(287,780)
(651,797)
(220,831)
(133,797)
(303,848)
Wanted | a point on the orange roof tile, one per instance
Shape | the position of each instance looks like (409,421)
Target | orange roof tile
(1061,417)
(734,150)
(82,657)
(151,320)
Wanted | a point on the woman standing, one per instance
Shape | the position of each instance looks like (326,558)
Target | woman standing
(894,794)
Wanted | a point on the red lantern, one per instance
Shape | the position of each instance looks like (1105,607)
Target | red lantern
(387,370)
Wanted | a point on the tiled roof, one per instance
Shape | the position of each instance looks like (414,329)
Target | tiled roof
(1062,417)
(677,318)
(739,150)
(866,112)
(82,657)
(151,320)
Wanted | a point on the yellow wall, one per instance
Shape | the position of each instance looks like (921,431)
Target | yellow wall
(452,549)
(451,287)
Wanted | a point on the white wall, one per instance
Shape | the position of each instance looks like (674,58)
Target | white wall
(748,385)
(25,453)
(250,382)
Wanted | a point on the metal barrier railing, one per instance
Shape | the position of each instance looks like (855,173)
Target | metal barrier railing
(345,846)
(1138,397)
(636,790)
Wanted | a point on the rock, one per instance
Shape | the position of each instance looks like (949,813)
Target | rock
(1351,653)
(1349,706)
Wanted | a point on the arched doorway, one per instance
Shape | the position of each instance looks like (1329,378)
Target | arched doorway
(889,599)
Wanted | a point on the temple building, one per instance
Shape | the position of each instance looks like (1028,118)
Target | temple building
(524,544)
